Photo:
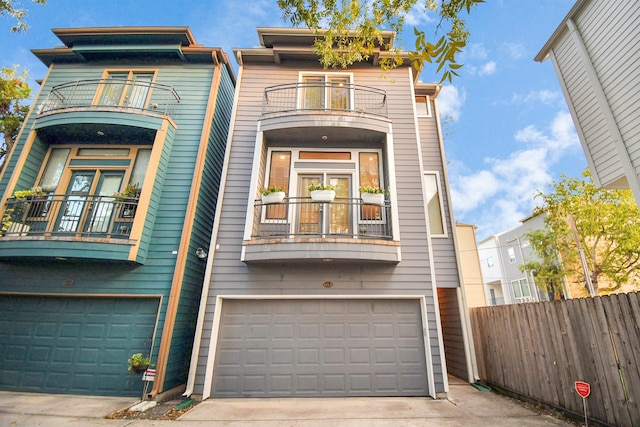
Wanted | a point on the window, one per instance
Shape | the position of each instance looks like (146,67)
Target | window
(512,255)
(279,171)
(490,262)
(434,203)
(331,91)
(423,109)
(126,89)
(521,290)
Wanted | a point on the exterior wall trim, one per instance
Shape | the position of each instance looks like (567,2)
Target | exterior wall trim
(197,339)
(185,238)
(208,379)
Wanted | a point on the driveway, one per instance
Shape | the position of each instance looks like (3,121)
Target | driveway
(466,406)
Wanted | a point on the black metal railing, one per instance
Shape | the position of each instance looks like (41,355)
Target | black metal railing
(319,96)
(113,93)
(301,217)
(69,215)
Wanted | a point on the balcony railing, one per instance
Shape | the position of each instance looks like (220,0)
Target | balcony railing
(113,93)
(70,216)
(324,96)
(300,217)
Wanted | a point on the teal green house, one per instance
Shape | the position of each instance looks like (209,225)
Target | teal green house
(104,255)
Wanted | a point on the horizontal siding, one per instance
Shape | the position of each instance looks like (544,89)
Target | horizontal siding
(165,222)
(410,277)
(616,63)
(597,137)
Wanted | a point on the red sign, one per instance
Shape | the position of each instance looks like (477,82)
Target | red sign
(583,389)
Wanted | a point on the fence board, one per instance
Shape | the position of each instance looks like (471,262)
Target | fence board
(539,350)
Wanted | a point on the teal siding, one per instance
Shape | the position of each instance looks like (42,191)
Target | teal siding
(163,226)
(184,330)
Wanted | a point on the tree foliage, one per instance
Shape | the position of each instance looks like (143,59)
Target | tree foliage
(546,267)
(353,29)
(13,91)
(607,225)
(15,9)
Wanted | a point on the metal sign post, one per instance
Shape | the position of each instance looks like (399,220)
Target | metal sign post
(584,390)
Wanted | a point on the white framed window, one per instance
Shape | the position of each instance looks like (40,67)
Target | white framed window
(435,205)
(521,290)
(512,255)
(423,106)
(326,91)
(490,262)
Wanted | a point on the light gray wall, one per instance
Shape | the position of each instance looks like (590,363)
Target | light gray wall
(412,276)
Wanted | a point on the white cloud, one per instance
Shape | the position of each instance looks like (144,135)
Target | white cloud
(497,197)
(417,15)
(487,69)
(450,102)
(474,51)
(543,96)
(514,50)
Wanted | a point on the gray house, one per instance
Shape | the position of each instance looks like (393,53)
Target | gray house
(595,55)
(330,298)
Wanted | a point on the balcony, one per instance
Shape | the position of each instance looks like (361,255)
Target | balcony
(69,216)
(324,96)
(299,230)
(112,94)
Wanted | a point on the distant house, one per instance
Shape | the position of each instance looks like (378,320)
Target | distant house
(501,256)
(470,265)
(595,55)
(331,298)
(88,277)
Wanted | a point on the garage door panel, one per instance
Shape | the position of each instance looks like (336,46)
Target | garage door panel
(73,345)
(320,348)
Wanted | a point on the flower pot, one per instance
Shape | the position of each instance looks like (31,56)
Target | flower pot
(270,198)
(139,369)
(372,198)
(323,195)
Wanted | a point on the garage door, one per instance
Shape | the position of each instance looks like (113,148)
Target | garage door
(271,348)
(73,345)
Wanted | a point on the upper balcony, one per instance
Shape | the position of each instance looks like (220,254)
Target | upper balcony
(322,107)
(112,94)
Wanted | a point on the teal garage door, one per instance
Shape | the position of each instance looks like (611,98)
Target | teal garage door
(73,345)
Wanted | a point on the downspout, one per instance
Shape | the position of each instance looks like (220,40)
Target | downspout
(197,341)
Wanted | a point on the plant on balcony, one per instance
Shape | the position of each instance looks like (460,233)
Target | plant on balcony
(131,191)
(28,194)
(372,195)
(321,192)
(129,196)
(138,364)
(272,194)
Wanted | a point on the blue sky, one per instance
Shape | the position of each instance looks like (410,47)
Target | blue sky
(508,131)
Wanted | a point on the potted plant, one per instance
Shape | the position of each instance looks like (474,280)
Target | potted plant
(372,195)
(32,193)
(322,192)
(272,194)
(129,196)
(138,364)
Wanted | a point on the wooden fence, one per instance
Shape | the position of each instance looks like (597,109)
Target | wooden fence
(539,350)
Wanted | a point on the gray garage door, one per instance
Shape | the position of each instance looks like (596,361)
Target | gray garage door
(73,345)
(320,348)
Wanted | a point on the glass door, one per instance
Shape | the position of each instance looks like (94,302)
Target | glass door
(325,218)
(73,207)
(101,210)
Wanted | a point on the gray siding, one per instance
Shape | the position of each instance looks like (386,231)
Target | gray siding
(410,277)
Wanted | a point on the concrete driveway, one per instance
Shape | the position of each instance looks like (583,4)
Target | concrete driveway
(466,406)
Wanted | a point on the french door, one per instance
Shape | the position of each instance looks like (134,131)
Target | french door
(89,204)
(325,218)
